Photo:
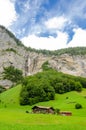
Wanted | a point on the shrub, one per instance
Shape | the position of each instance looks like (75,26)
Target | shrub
(27,111)
(57,111)
(46,66)
(11,50)
(78,86)
(78,106)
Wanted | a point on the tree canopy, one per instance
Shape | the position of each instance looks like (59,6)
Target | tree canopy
(13,74)
(35,90)
(43,86)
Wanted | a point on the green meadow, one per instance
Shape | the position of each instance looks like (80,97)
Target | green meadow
(14,117)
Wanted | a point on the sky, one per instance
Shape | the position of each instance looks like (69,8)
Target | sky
(46,24)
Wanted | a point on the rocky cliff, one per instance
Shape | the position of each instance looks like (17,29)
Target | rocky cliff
(70,64)
(12,52)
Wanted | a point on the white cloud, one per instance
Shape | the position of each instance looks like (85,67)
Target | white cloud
(79,38)
(49,43)
(7,12)
(54,43)
(56,22)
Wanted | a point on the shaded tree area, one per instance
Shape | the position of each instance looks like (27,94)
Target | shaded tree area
(43,86)
(36,90)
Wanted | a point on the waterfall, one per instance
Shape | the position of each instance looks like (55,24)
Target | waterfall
(29,63)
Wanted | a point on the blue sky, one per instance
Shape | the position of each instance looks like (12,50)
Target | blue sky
(46,24)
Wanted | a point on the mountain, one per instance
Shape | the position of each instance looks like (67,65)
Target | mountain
(30,61)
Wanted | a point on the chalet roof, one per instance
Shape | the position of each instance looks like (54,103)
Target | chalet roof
(42,107)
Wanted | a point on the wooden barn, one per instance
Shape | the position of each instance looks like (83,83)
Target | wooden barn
(42,109)
(65,113)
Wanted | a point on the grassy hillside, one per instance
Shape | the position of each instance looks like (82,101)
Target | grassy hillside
(14,117)
(10,97)
(64,101)
(65,104)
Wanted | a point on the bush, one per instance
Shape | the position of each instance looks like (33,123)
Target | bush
(78,106)
(46,66)
(78,86)
(57,111)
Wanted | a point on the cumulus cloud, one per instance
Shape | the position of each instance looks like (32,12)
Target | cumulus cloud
(56,22)
(79,38)
(55,43)
(49,43)
(7,12)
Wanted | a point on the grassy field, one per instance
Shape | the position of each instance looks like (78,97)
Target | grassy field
(14,117)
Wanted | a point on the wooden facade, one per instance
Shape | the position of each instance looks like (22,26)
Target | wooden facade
(65,113)
(41,109)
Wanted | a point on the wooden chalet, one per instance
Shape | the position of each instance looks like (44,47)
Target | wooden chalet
(42,109)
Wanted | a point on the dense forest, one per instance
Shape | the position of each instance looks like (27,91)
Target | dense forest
(43,86)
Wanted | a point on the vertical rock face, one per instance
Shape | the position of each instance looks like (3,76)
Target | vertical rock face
(70,64)
(13,53)
(10,54)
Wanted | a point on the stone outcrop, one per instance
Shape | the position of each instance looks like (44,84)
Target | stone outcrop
(74,65)
(31,62)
